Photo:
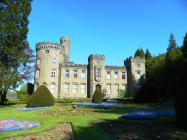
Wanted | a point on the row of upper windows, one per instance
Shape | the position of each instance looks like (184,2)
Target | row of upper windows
(116,75)
(66,74)
(83,74)
(75,73)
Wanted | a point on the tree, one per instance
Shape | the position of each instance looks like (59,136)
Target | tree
(184,47)
(172,43)
(174,53)
(15,53)
(139,53)
(148,54)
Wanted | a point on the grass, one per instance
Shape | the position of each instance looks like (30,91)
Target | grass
(81,118)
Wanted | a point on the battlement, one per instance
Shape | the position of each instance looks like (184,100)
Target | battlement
(64,39)
(134,60)
(96,57)
(47,45)
(115,67)
(72,65)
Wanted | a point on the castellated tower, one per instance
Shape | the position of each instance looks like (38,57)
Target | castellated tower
(96,71)
(48,58)
(136,74)
(65,43)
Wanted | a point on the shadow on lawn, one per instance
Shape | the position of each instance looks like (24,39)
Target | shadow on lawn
(123,129)
(8,105)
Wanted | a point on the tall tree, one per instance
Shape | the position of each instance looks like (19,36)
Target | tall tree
(172,43)
(173,52)
(148,54)
(139,53)
(15,53)
(184,47)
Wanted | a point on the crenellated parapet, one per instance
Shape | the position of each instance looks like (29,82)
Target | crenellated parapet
(48,45)
(115,67)
(96,57)
(72,65)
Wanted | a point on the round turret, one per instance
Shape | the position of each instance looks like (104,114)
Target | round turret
(48,57)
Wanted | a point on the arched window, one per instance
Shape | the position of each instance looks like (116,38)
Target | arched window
(53,73)
(98,73)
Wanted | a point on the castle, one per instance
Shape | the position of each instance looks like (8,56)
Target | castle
(66,79)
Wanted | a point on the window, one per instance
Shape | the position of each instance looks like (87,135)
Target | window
(38,61)
(52,88)
(116,75)
(98,73)
(75,75)
(138,76)
(123,75)
(83,88)
(116,89)
(53,60)
(138,72)
(75,86)
(108,89)
(67,73)
(108,75)
(53,72)
(138,65)
(37,73)
(66,88)
(46,51)
(83,74)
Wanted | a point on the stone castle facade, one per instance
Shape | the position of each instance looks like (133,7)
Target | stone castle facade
(66,79)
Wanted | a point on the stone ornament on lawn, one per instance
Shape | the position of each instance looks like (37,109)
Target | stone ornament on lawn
(13,125)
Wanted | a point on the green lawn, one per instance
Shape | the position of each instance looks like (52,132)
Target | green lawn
(81,119)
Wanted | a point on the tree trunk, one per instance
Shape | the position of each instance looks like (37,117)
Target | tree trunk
(2,97)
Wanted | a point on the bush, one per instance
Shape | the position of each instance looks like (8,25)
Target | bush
(97,97)
(23,96)
(42,97)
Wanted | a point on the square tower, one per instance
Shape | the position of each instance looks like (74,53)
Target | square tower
(136,74)
(96,72)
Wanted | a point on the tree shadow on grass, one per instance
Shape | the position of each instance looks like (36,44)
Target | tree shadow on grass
(123,129)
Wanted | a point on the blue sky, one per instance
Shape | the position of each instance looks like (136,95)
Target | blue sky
(115,28)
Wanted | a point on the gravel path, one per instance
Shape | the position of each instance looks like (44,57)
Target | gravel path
(60,132)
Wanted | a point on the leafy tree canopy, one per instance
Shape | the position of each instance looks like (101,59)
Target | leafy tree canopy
(172,43)
(139,53)
(148,54)
(15,53)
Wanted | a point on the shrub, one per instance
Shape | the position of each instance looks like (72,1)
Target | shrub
(42,97)
(23,96)
(97,97)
